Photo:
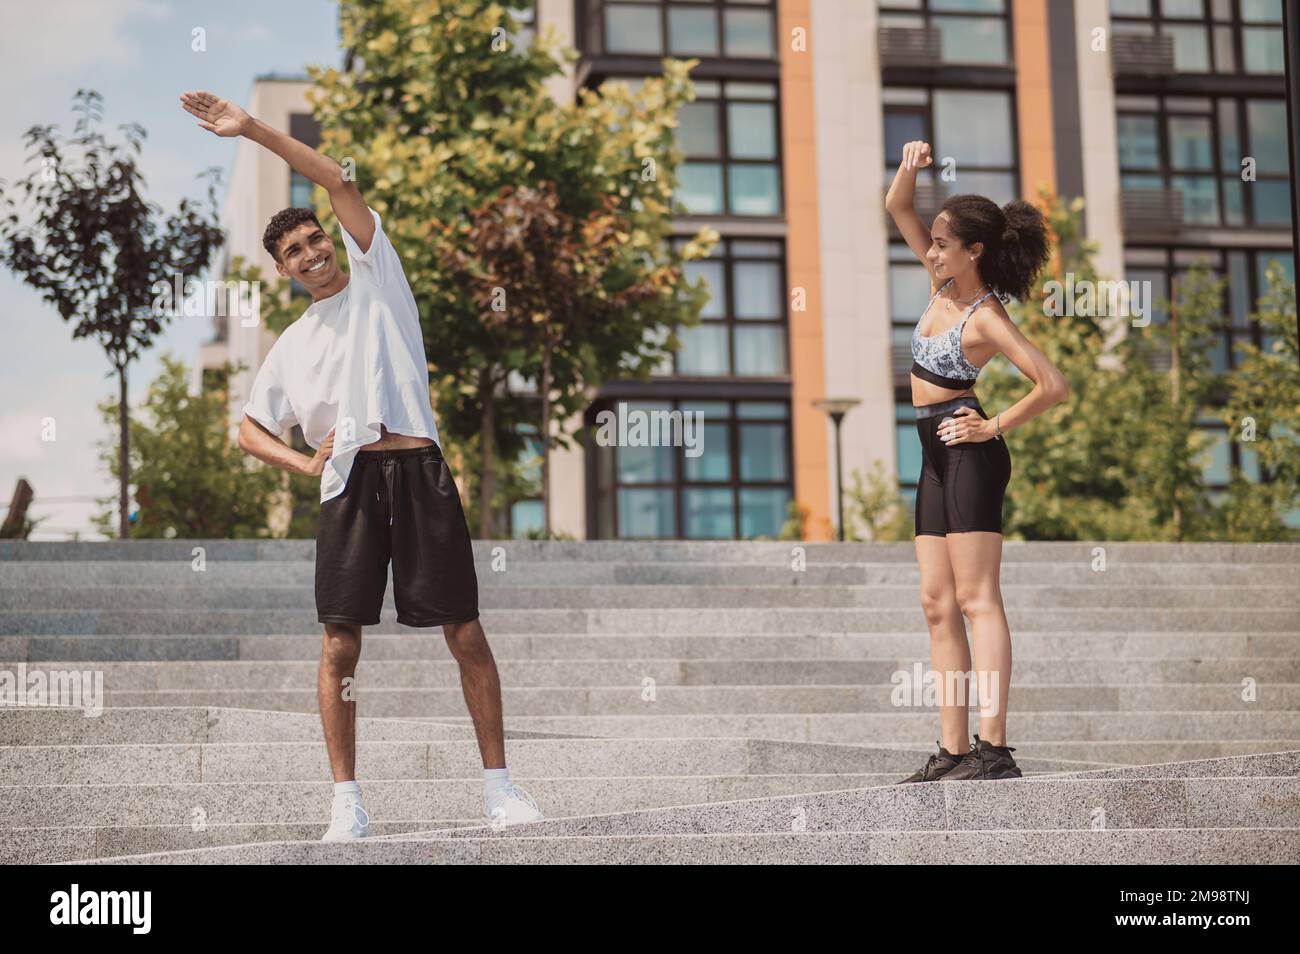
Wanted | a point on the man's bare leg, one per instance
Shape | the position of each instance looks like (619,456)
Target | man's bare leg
(340,651)
(481,685)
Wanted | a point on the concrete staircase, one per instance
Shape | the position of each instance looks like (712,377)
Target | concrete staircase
(665,702)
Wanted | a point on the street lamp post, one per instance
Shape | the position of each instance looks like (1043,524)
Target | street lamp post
(837,408)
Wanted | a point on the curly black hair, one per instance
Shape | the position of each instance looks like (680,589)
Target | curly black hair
(284,221)
(1016,242)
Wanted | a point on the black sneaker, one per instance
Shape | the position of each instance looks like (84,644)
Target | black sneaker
(985,761)
(935,768)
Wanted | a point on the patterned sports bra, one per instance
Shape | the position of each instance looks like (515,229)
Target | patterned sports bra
(939,359)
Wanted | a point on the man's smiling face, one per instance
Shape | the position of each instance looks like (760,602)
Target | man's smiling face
(307,255)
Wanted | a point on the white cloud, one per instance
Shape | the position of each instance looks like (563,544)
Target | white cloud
(39,40)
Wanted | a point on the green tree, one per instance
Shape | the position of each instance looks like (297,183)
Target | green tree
(190,479)
(99,252)
(874,510)
(1123,458)
(442,117)
(1262,411)
(278,307)
(540,277)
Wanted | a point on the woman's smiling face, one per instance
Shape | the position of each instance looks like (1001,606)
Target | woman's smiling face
(948,257)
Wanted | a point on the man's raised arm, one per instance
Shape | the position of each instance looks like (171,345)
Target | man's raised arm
(225,119)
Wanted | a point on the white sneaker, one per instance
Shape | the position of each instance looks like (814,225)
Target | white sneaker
(511,806)
(348,821)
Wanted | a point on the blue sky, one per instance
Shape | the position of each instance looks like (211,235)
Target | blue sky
(138,54)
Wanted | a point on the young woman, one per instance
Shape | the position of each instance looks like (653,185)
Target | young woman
(976,254)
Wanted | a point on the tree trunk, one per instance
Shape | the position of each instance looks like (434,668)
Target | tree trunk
(545,391)
(487,443)
(123,455)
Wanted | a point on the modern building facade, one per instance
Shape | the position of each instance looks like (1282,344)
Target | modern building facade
(1144,107)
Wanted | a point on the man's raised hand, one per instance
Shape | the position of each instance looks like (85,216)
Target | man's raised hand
(215,114)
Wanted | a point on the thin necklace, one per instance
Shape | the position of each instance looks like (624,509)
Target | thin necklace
(964,301)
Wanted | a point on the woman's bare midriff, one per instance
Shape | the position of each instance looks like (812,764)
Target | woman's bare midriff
(390,441)
(923,392)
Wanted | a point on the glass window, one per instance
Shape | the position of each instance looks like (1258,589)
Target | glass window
(526,516)
(1234,209)
(1266,120)
(1225,55)
(1245,38)
(755,190)
(976,127)
(752,128)
(704,349)
(972,39)
(763,511)
(760,350)
(1129,181)
(699,187)
(1189,142)
(737,485)
(693,32)
(762,452)
(1262,50)
(747,180)
(755,248)
(1261,11)
(707,513)
(1191,48)
(909,452)
(758,290)
(748,32)
(300,190)
(645,512)
(709,410)
(1239,289)
(1272,202)
(700,131)
(1220,458)
(1229,148)
(909,291)
(969,6)
(901,128)
(763,409)
(633,28)
(714,274)
(715,461)
(1155,291)
(743,331)
(1139,144)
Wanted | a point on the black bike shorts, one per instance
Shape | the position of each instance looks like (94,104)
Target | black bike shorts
(961,487)
(400,505)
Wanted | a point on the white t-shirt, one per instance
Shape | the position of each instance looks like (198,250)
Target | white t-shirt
(351,362)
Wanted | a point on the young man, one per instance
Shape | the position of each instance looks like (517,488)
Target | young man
(352,373)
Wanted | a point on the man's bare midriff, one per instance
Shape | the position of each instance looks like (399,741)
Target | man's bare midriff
(390,441)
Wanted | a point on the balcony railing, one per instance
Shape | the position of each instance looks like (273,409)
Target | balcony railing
(1136,54)
(926,199)
(903,46)
(1152,211)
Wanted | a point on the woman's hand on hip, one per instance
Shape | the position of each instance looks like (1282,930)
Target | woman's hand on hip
(965,426)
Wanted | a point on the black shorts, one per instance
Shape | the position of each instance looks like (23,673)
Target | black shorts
(400,505)
(961,485)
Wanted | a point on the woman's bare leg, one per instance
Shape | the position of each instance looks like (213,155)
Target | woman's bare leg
(976,559)
(949,651)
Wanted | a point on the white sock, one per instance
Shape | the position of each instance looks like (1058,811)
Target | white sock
(350,787)
(495,779)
